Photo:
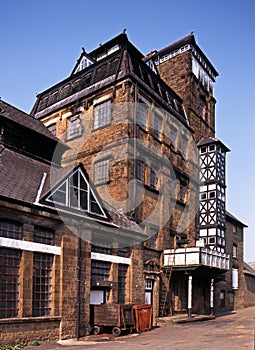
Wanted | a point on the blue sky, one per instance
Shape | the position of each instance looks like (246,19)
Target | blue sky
(41,41)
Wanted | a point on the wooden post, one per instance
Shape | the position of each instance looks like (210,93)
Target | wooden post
(212,296)
(190,297)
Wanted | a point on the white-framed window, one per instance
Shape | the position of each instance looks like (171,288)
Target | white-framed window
(203,196)
(102,114)
(74,126)
(149,284)
(102,171)
(76,193)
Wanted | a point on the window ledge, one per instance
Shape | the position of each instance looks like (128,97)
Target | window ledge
(70,138)
(30,319)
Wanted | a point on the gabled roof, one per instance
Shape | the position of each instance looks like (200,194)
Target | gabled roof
(115,60)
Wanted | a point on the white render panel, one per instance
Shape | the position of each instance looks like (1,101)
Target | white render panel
(29,246)
(196,256)
(110,258)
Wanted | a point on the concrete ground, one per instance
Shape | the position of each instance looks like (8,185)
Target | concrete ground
(228,332)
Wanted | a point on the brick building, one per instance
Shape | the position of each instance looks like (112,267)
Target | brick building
(143,127)
(49,268)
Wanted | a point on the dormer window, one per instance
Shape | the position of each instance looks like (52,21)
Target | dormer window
(84,63)
(76,193)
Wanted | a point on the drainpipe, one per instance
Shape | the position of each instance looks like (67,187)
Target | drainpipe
(135,145)
(189,296)
(78,311)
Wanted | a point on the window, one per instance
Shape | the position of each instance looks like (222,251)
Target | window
(102,172)
(153,179)
(122,280)
(183,191)
(149,284)
(212,194)
(9,282)
(203,196)
(102,114)
(157,125)
(142,114)
(74,126)
(222,297)
(203,150)
(53,129)
(234,229)
(173,135)
(182,143)
(10,229)
(234,251)
(202,108)
(43,235)
(139,168)
(100,271)
(42,271)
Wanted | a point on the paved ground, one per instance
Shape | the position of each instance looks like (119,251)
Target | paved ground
(228,332)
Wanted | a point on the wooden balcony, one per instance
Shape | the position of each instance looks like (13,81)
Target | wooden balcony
(195,257)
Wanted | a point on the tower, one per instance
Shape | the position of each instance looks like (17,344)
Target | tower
(185,68)
(212,212)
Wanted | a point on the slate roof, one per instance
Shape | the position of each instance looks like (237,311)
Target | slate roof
(249,269)
(234,219)
(20,176)
(189,39)
(16,115)
(124,62)
(252,264)
(210,139)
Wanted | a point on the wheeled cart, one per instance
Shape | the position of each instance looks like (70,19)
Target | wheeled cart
(119,317)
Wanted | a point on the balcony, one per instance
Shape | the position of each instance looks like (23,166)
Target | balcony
(195,257)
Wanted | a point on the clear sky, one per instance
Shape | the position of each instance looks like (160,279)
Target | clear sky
(41,41)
